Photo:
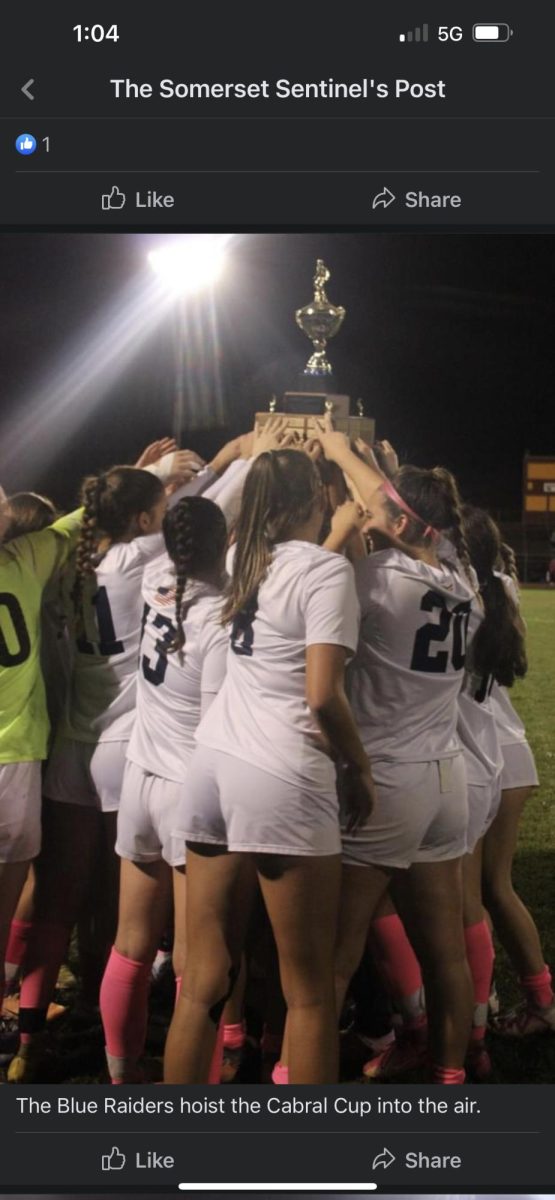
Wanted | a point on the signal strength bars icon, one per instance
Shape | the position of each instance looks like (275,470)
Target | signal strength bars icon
(420,34)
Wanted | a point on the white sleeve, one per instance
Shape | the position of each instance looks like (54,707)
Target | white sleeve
(227,492)
(196,486)
(332,613)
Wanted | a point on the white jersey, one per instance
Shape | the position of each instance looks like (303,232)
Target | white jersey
(405,678)
(172,688)
(107,634)
(261,715)
(476,724)
(509,725)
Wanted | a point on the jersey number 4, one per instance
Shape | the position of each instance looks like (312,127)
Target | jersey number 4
(426,656)
(13,657)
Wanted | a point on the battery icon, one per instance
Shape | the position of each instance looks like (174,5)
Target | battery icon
(492,33)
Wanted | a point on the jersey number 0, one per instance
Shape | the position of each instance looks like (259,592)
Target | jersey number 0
(13,658)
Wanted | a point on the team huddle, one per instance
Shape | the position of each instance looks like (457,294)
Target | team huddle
(275,683)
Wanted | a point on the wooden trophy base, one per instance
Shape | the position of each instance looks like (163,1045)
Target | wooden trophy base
(301,409)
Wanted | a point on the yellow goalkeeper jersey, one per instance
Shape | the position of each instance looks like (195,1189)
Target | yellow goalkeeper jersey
(26,565)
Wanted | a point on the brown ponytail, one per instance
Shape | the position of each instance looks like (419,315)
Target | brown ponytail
(111,500)
(280,492)
(498,649)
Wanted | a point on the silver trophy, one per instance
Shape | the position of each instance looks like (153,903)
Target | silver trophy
(320,320)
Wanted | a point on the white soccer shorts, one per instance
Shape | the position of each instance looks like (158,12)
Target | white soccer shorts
(519,768)
(147,817)
(20,811)
(227,801)
(86,773)
(421,815)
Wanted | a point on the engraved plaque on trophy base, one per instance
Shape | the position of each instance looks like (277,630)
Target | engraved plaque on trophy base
(303,423)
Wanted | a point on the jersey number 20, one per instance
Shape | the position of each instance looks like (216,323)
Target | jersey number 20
(425,655)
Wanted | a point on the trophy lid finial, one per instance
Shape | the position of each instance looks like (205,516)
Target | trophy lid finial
(321,277)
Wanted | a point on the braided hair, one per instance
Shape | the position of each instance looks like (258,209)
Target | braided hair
(195,534)
(498,649)
(434,495)
(110,501)
(280,493)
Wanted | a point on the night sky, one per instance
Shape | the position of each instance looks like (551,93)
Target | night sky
(449,340)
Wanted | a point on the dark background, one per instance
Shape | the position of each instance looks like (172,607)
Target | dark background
(449,339)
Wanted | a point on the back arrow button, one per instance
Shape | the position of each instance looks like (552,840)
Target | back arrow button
(26,89)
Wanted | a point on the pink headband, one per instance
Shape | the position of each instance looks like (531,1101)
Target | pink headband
(393,494)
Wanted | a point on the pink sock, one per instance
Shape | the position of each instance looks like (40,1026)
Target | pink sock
(538,988)
(399,966)
(16,948)
(215,1073)
(234,1036)
(280,1074)
(46,947)
(481,957)
(448,1075)
(124,1011)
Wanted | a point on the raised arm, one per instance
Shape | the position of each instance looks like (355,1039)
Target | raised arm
(365,475)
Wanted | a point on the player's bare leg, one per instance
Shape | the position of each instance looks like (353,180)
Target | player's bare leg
(513,923)
(301,895)
(63,871)
(145,899)
(362,888)
(219,894)
(432,910)
(179,879)
(12,880)
(480,955)
(99,915)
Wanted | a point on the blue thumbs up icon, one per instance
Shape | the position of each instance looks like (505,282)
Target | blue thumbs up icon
(25,144)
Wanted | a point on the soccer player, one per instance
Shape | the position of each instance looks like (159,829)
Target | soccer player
(403,688)
(514,924)
(181,667)
(261,786)
(27,563)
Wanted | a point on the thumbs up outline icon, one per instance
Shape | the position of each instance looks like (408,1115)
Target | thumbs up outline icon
(114,1161)
(114,199)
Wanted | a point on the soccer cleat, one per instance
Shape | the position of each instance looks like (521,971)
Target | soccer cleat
(404,1054)
(493,1002)
(162,967)
(478,1062)
(25,1065)
(527,1020)
(9,1038)
(231,1062)
(377,1044)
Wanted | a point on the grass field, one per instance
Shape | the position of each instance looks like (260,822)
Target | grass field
(534,873)
(77,1050)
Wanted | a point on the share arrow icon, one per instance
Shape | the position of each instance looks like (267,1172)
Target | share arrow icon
(384,1159)
(26,89)
(383,199)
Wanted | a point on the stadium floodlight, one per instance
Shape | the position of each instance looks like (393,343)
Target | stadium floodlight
(190,263)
